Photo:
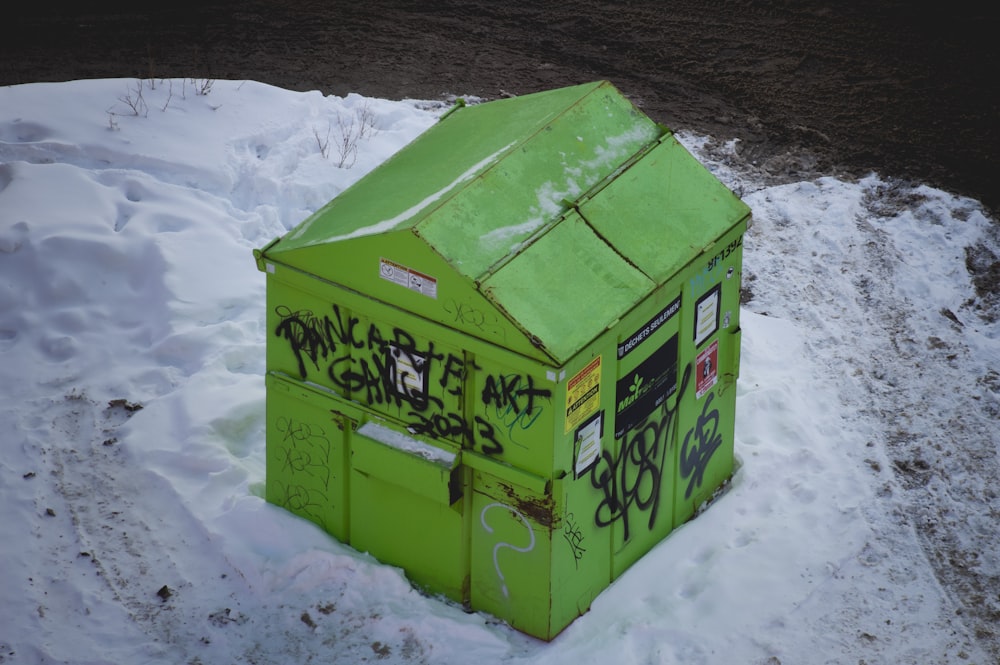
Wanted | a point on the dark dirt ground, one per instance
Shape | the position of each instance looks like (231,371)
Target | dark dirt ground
(891,86)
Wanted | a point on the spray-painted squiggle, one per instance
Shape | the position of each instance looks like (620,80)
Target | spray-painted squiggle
(496,548)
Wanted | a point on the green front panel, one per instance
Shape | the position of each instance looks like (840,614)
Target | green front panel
(400,270)
(306,455)
(538,558)
(406,511)
(511,551)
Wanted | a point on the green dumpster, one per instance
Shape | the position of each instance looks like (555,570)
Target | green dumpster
(505,360)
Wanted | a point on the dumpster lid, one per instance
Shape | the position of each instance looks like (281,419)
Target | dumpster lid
(561,210)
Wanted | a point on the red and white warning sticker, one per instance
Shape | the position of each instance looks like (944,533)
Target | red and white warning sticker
(707,369)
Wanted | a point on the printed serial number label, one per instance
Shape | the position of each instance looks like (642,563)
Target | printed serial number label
(724,254)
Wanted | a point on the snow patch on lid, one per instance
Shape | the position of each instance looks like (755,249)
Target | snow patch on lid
(409,213)
(578,178)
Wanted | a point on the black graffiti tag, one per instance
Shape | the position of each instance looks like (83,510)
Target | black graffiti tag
(454,425)
(641,458)
(386,367)
(700,443)
(313,337)
(468,315)
(513,398)
(574,536)
(513,390)
(306,453)
(634,477)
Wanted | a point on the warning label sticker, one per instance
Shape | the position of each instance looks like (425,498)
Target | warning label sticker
(583,394)
(407,277)
(707,369)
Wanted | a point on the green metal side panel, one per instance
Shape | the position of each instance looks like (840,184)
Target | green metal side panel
(307,465)
(581,552)
(636,481)
(567,287)
(705,443)
(664,210)
(705,453)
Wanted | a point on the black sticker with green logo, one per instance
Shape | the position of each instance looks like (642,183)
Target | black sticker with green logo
(645,388)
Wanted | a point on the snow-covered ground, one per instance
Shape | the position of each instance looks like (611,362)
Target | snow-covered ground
(862,525)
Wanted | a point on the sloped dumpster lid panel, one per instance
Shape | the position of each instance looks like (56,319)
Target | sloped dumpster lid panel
(434,167)
(566,288)
(530,186)
(664,210)
(395,196)
(401,271)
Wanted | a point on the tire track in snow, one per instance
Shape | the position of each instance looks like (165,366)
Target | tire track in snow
(933,394)
(182,600)
(911,367)
(144,553)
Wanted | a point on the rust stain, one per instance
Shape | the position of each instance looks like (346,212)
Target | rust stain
(540,510)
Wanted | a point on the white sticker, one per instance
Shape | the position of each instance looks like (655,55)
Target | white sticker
(706,315)
(588,441)
(409,278)
(411,378)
